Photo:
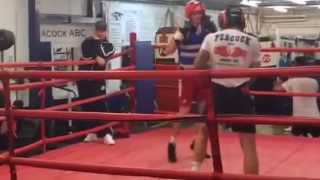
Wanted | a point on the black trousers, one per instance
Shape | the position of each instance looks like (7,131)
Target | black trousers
(88,89)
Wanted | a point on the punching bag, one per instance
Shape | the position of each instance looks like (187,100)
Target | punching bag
(7,39)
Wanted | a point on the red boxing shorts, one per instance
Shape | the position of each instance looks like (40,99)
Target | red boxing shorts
(194,90)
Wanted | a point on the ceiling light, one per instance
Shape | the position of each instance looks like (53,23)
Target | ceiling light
(281,9)
(301,2)
(252,3)
(314,6)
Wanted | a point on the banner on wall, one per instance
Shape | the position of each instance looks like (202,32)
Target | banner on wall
(72,34)
(124,18)
(65,45)
(143,19)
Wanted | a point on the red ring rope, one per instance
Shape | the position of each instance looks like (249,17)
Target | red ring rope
(89,100)
(46,64)
(305,50)
(2,119)
(12,161)
(101,116)
(302,50)
(125,171)
(60,115)
(34,85)
(290,94)
(269,120)
(169,74)
(58,63)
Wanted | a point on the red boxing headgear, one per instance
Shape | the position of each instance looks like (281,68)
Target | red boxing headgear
(194,6)
(222,19)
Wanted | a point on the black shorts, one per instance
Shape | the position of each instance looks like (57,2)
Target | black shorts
(233,101)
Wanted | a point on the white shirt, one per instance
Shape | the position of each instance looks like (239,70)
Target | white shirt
(230,49)
(303,106)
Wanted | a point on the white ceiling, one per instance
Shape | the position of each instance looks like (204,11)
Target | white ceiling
(221,4)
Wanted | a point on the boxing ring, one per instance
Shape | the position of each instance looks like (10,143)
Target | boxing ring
(49,79)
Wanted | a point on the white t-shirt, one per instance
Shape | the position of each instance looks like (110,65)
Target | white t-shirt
(303,106)
(230,49)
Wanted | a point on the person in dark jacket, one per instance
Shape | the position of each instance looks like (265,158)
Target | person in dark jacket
(98,48)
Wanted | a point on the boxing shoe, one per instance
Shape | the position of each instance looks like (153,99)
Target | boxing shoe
(172,156)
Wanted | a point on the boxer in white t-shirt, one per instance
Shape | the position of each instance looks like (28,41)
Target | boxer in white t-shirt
(229,49)
(302,106)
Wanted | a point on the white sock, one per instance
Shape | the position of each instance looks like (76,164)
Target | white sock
(195,166)
(172,139)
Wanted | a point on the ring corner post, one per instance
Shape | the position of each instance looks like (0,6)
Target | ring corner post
(10,121)
(145,88)
(213,129)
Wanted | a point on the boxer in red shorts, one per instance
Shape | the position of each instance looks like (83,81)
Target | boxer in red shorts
(188,41)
